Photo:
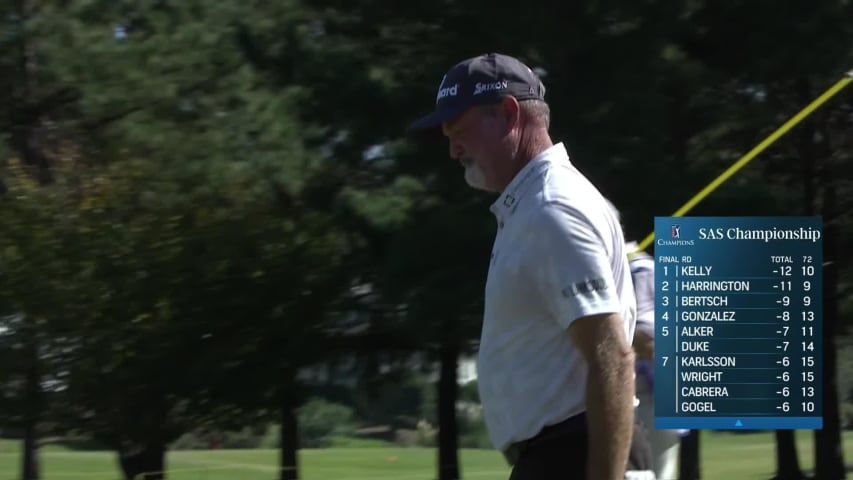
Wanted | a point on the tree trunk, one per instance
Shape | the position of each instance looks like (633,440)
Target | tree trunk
(787,462)
(30,466)
(30,462)
(689,457)
(829,461)
(448,430)
(143,462)
(289,449)
(21,135)
(787,459)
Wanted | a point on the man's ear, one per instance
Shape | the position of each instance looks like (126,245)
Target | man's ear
(511,111)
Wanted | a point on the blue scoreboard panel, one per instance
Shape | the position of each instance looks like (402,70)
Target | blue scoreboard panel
(738,320)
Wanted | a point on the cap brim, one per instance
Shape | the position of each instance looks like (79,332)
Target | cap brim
(436,118)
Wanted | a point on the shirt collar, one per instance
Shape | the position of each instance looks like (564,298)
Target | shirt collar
(507,202)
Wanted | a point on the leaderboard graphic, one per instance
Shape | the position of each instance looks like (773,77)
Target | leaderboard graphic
(738,322)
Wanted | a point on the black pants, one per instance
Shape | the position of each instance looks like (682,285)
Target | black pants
(560,452)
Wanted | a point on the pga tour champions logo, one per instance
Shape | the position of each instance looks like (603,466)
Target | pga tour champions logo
(675,231)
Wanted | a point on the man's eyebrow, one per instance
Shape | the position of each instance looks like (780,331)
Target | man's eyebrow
(454,123)
(450,126)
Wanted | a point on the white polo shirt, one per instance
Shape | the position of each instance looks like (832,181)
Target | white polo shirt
(643,275)
(558,255)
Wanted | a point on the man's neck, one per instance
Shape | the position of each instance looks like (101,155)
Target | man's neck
(535,147)
(531,147)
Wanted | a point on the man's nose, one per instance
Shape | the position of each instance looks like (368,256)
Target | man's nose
(456,151)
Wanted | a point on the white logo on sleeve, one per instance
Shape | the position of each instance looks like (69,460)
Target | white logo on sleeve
(488,87)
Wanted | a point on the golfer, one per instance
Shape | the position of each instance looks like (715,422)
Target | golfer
(664,443)
(555,366)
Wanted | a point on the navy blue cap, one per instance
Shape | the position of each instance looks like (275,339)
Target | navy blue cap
(479,81)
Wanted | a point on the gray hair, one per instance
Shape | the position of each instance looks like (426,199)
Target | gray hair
(537,110)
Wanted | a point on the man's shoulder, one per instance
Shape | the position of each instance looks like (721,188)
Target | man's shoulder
(564,187)
(581,208)
(642,262)
(562,177)
(559,211)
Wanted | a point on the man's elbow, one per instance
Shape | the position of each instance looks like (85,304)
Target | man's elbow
(601,340)
(621,359)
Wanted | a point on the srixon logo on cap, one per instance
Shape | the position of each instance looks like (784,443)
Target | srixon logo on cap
(488,87)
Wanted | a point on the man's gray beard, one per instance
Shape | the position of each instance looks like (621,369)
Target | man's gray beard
(474,178)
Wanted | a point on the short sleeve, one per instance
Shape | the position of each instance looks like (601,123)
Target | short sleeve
(644,290)
(574,276)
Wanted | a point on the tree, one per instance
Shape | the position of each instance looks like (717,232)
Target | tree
(755,72)
(359,100)
(182,221)
(21,380)
(31,279)
(829,461)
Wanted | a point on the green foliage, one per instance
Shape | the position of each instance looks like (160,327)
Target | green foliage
(472,425)
(245,438)
(473,434)
(174,242)
(320,422)
(386,209)
(395,401)
(429,403)
(469,392)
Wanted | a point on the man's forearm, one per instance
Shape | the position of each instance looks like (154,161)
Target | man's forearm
(610,416)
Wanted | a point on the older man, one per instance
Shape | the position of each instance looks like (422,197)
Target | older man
(555,366)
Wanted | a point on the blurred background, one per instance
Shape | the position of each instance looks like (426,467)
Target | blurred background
(221,258)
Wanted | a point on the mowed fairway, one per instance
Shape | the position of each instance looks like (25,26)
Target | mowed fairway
(725,456)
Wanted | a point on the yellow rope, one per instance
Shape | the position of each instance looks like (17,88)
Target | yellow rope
(805,112)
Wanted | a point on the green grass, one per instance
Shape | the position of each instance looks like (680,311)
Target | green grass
(725,456)
(349,442)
